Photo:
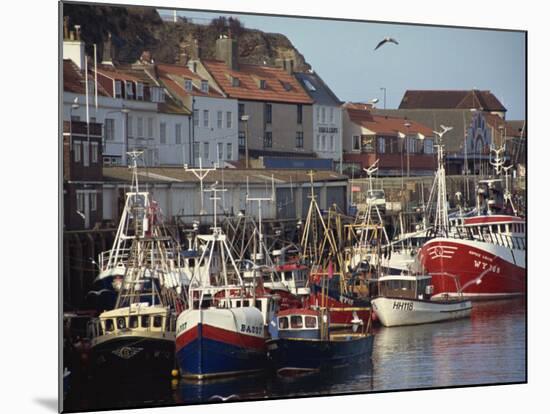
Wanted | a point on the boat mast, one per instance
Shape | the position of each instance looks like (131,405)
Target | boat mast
(441,224)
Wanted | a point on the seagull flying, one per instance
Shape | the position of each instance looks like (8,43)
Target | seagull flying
(386,40)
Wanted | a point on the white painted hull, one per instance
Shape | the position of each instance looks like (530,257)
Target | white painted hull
(398,311)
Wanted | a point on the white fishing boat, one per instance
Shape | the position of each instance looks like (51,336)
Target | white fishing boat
(406,300)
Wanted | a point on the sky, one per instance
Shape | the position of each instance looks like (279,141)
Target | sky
(342,53)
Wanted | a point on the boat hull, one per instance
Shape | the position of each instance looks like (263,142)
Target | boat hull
(291,355)
(468,259)
(133,356)
(220,342)
(400,311)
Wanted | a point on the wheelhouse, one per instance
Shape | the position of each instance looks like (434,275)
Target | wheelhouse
(406,287)
(298,323)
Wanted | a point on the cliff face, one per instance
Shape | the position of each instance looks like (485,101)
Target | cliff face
(138,29)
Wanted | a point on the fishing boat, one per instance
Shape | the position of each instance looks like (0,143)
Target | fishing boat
(491,243)
(137,337)
(222,333)
(304,343)
(407,300)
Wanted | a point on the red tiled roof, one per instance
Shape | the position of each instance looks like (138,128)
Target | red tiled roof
(250,75)
(511,129)
(74,81)
(173,76)
(360,114)
(451,99)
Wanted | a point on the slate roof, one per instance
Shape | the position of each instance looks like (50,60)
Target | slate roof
(322,94)
(451,99)
(280,86)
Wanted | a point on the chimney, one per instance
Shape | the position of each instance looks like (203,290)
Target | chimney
(228,51)
(73,48)
(196,51)
(108,51)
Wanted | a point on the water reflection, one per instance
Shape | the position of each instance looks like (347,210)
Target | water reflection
(488,348)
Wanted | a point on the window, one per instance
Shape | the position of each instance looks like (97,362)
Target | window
(268,113)
(196,150)
(205,116)
(145,321)
(157,94)
(235,81)
(118,89)
(188,85)
(178,134)
(93,201)
(157,321)
(77,150)
(86,153)
(129,90)
(229,154)
(109,325)
(318,142)
(109,129)
(381,145)
(220,119)
(356,143)
(283,322)
(332,143)
(318,111)
(323,115)
(311,322)
(323,142)
(299,113)
(331,114)
(263,84)
(139,91)
(268,140)
(296,322)
(140,127)
(204,86)
(428,146)
(299,139)
(121,323)
(241,110)
(220,151)
(80,201)
(242,138)
(95,152)
(130,123)
(133,322)
(206,150)
(196,117)
(163,133)
(150,127)
(229,119)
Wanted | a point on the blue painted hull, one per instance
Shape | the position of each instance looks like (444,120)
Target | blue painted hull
(288,354)
(203,358)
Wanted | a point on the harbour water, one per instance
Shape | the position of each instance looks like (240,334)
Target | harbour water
(488,348)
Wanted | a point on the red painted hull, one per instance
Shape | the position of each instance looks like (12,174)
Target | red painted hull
(468,260)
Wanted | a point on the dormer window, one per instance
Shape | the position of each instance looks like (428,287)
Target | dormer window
(188,85)
(157,94)
(129,90)
(139,91)
(118,89)
(286,86)
(235,82)
(263,84)
(204,86)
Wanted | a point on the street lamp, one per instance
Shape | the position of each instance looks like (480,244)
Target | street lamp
(245,119)
(407,125)
(384,89)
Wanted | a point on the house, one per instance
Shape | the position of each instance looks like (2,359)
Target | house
(401,146)
(213,132)
(82,174)
(274,111)
(327,117)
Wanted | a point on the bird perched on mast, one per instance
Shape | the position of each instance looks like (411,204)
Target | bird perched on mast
(386,40)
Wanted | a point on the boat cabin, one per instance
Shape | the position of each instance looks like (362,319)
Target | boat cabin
(266,304)
(298,323)
(139,317)
(405,286)
(294,277)
(502,230)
